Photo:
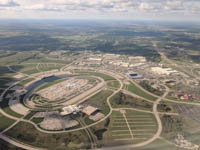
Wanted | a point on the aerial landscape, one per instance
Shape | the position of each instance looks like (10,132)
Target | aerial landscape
(99,84)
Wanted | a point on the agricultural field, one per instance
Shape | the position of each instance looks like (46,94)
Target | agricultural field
(42,68)
(6,76)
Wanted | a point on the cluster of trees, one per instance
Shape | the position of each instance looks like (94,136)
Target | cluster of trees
(149,88)
(171,126)
(99,132)
(122,99)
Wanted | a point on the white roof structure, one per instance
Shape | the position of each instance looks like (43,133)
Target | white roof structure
(163,71)
(89,110)
(95,58)
(69,110)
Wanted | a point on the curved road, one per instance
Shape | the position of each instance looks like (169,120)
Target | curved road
(155,112)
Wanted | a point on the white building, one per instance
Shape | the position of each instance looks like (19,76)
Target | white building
(163,71)
(95,59)
(71,109)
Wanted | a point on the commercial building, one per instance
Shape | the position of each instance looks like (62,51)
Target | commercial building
(89,110)
(71,109)
(134,75)
(163,71)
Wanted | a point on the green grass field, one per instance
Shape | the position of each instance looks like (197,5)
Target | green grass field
(104,76)
(159,144)
(100,99)
(121,100)
(46,85)
(29,72)
(6,109)
(3,83)
(142,125)
(7,146)
(26,133)
(26,81)
(48,67)
(134,89)
(37,120)
(29,115)
(5,122)
(113,84)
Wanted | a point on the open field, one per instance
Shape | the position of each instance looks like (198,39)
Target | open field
(180,125)
(23,67)
(145,84)
(4,105)
(3,82)
(190,111)
(7,146)
(134,89)
(4,71)
(5,122)
(159,144)
(31,68)
(46,85)
(172,125)
(30,114)
(26,81)
(165,107)
(113,84)
(17,58)
(129,127)
(99,99)
(29,72)
(26,133)
(121,100)
(1,91)
(50,66)
(37,120)
(104,76)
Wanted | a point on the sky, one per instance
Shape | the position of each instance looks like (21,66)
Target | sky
(184,10)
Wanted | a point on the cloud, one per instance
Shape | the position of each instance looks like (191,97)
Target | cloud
(8,3)
(104,7)
(145,6)
(112,5)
